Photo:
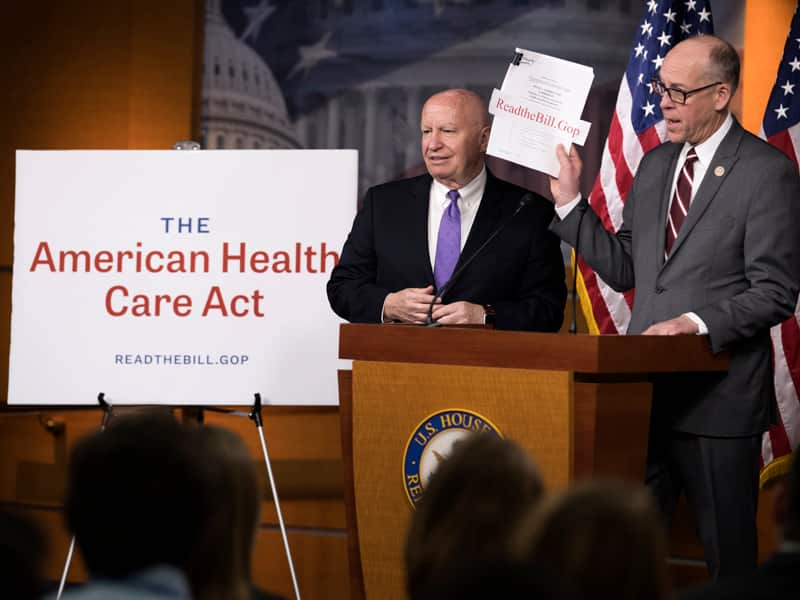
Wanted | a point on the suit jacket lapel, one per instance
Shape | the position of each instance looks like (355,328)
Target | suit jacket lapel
(486,219)
(721,164)
(663,208)
(418,230)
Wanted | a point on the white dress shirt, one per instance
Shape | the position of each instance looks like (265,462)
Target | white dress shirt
(705,154)
(468,202)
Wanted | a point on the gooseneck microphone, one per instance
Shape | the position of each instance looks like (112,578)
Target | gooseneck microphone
(523,202)
(573,322)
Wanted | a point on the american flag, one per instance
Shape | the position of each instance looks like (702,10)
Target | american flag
(637,126)
(781,128)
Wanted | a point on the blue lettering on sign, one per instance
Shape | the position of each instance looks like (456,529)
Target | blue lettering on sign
(186,224)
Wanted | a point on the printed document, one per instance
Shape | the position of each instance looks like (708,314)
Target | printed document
(538,107)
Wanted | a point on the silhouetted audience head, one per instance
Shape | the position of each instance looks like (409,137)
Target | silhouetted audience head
(220,564)
(503,579)
(21,555)
(604,539)
(136,495)
(458,535)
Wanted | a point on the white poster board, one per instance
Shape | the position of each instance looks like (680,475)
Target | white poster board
(179,278)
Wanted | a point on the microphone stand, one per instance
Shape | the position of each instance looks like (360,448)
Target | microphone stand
(523,202)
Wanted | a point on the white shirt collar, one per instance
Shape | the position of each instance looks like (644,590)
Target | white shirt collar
(706,150)
(470,193)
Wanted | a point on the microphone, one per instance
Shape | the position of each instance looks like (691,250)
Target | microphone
(523,202)
(573,322)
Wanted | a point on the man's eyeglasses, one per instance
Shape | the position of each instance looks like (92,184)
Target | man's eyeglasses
(676,95)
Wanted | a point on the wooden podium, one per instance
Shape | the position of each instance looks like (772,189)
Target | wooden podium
(579,404)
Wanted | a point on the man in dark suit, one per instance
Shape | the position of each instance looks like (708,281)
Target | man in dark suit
(411,235)
(710,243)
(779,577)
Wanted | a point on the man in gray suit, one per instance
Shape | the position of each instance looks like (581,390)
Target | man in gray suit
(710,243)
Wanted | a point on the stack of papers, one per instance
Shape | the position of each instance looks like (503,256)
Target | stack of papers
(538,107)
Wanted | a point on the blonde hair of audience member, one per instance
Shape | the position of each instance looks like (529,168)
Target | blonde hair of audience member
(604,538)
(220,565)
(471,505)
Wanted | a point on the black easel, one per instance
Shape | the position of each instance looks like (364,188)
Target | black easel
(255,416)
(107,411)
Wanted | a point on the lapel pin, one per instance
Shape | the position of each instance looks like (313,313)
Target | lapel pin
(719,171)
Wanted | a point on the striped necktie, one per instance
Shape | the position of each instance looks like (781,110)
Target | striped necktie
(680,200)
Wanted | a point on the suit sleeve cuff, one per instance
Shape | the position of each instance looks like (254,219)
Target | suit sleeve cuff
(563,211)
(701,326)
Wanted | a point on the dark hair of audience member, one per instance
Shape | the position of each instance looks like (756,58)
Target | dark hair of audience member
(136,495)
(604,537)
(504,578)
(21,553)
(470,506)
(220,565)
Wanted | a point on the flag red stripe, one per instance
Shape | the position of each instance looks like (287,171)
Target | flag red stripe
(598,203)
(605,324)
(649,139)
(622,173)
(779,440)
(783,141)
(790,339)
(629,297)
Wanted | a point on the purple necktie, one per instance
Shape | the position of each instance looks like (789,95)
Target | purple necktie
(448,244)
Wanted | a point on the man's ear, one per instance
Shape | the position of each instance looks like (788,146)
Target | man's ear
(722,96)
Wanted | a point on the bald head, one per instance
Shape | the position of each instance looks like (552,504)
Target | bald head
(717,58)
(706,70)
(455,134)
(471,106)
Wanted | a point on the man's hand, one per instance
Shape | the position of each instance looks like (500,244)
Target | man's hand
(459,313)
(409,305)
(682,325)
(567,186)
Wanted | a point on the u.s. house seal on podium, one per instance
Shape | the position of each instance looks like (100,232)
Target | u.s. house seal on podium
(432,441)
